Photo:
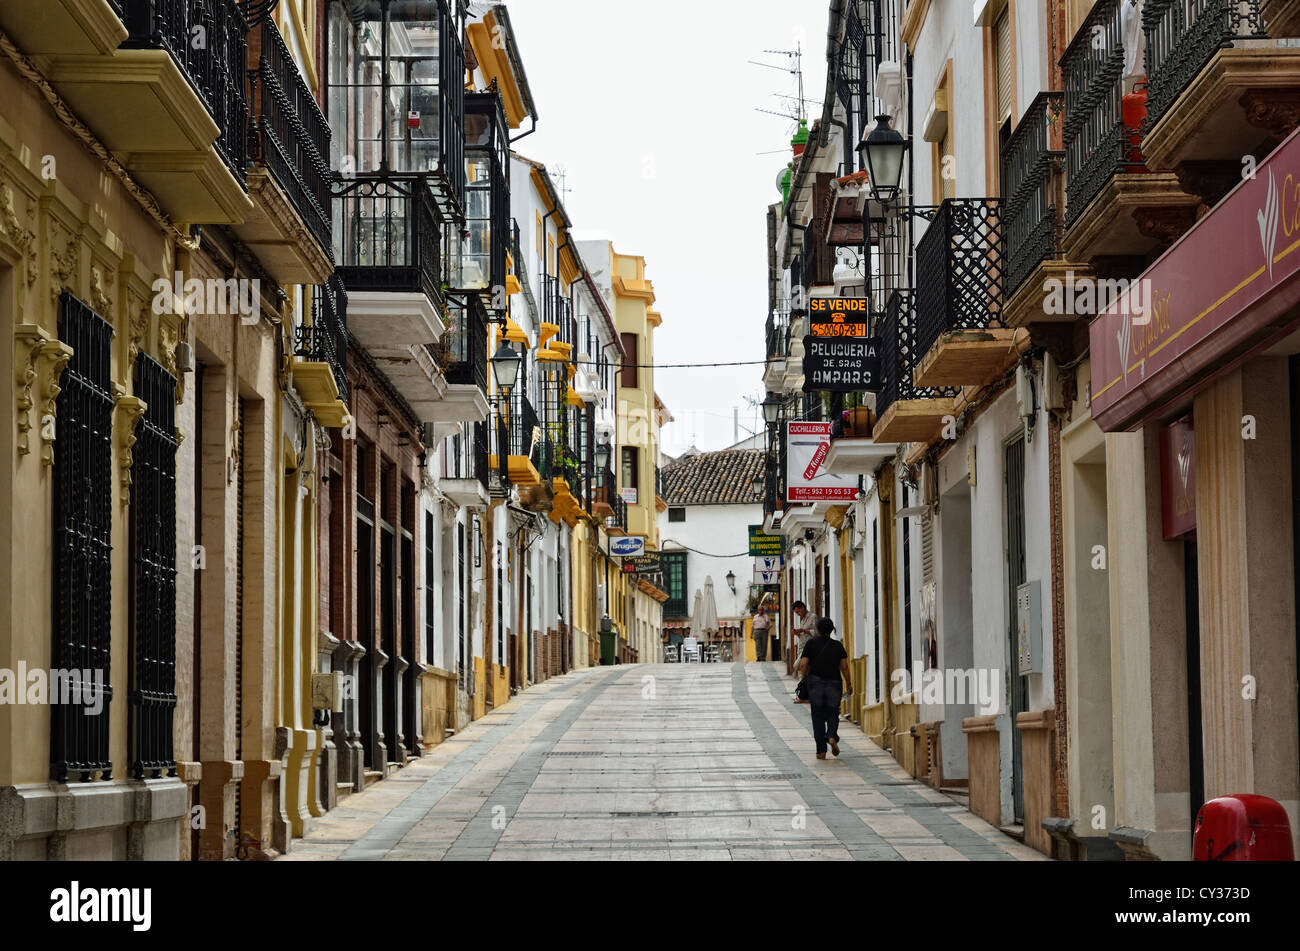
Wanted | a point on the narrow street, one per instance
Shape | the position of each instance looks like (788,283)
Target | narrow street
(690,761)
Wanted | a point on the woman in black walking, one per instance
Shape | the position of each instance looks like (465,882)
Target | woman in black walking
(825,667)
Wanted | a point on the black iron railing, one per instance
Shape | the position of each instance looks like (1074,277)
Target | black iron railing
(82,593)
(774,476)
(467,345)
(325,339)
(289,133)
(526,435)
(900,353)
(1098,145)
(487,190)
(778,331)
(386,234)
(469,456)
(207,40)
(153,575)
(959,265)
(1031,161)
(1182,37)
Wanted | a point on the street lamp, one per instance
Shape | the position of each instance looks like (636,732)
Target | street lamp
(882,153)
(602,452)
(731,581)
(505,366)
(771,408)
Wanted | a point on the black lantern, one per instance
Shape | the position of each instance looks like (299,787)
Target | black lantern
(882,153)
(771,408)
(731,581)
(505,366)
(602,452)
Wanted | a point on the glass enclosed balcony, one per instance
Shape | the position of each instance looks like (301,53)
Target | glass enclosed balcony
(396,92)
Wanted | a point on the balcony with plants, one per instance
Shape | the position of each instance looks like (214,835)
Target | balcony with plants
(289,174)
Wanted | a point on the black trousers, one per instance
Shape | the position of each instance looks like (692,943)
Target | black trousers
(824,700)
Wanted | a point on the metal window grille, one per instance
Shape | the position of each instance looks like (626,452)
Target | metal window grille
(153,574)
(82,592)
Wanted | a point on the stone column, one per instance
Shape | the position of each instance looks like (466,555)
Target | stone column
(1247,584)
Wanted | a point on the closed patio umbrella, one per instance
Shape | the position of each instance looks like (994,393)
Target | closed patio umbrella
(708,609)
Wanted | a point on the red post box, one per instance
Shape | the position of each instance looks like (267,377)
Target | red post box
(1242,828)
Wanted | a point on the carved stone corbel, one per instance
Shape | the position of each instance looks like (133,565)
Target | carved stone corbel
(55,355)
(63,264)
(12,229)
(30,339)
(99,299)
(130,408)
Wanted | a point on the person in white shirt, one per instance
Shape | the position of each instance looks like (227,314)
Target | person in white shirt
(762,625)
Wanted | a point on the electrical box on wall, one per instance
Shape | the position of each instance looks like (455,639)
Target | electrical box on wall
(1029,627)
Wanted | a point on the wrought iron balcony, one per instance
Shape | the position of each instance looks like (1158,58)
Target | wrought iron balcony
(397,93)
(325,339)
(1098,145)
(900,353)
(463,348)
(1031,163)
(959,268)
(207,41)
(482,264)
(467,458)
(778,332)
(526,436)
(387,234)
(1182,37)
(288,132)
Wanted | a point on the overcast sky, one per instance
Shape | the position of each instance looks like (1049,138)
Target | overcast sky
(650,111)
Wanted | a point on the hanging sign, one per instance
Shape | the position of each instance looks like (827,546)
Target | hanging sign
(841,364)
(838,316)
(769,564)
(1178,478)
(805,479)
(762,544)
(767,577)
(627,546)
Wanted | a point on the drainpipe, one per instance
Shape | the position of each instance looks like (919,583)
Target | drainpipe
(528,133)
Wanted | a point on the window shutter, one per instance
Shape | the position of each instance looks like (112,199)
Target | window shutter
(1002,43)
(629,374)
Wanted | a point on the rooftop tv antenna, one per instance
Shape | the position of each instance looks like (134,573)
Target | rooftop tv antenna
(793,66)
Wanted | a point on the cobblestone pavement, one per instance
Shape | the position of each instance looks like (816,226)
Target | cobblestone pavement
(701,761)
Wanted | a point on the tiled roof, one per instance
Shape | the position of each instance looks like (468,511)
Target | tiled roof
(731,476)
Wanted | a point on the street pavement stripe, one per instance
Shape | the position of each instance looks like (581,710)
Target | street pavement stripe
(904,794)
(393,827)
(862,842)
(479,837)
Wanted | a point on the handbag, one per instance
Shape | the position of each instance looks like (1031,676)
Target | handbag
(801,690)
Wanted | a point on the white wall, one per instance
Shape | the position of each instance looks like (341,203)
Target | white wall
(723,532)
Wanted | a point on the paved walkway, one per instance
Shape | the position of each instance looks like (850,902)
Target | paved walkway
(668,761)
